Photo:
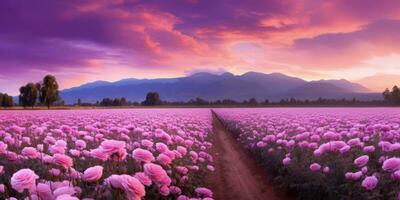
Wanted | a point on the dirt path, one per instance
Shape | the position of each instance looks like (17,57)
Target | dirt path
(237,175)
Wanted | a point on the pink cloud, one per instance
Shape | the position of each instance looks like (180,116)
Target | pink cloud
(299,37)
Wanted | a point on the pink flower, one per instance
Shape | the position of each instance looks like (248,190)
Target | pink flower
(112,146)
(161,147)
(286,161)
(3,147)
(157,174)
(182,170)
(58,147)
(75,153)
(181,150)
(12,156)
(142,155)
(175,190)
(48,159)
(143,178)
(134,190)
(64,190)
(391,164)
(40,147)
(182,197)
(261,144)
(396,175)
(2,188)
(361,161)
(354,142)
(326,170)
(74,173)
(203,192)
(353,176)
(369,182)
(315,167)
(54,172)
(164,190)
(63,160)
(93,174)
(80,144)
(369,149)
(29,152)
(344,149)
(66,197)
(164,159)
(99,154)
(147,143)
(364,170)
(44,191)
(24,179)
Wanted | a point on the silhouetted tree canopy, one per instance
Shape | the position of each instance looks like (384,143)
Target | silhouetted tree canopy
(114,102)
(29,94)
(152,99)
(392,97)
(49,91)
(6,100)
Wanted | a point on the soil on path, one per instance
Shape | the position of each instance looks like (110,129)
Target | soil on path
(237,175)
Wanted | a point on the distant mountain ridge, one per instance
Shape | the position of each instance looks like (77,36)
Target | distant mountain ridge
(261,86)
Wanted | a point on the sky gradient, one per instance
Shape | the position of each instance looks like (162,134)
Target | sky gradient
(85,40)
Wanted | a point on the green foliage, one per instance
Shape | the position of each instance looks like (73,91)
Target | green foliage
(392,97)
(114,102)
(29,94)
(49,93)
(152,99)
(6,100)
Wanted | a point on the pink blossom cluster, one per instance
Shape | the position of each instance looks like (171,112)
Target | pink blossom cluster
(105,154)
(359,146)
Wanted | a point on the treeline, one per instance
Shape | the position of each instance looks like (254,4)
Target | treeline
(6,100)
(392,97)
(252,102)
(153,99)
(114,102)
(42,93)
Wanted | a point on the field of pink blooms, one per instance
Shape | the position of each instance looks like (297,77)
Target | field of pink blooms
(105,154)
(324,153)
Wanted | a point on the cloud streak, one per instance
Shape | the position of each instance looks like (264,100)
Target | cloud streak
(83,40)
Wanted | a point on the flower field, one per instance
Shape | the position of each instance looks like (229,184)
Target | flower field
(314,153)
(105,154)
(324,153)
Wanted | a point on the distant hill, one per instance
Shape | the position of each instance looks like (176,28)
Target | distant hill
(274,87)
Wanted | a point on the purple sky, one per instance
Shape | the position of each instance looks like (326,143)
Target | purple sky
(87,40)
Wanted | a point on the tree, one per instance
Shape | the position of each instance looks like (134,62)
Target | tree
(7,101)
(28,95)
(152,98)
(392,97)
(124,102)
(1,99)
(198,101)
(79,102)
(396,95)
(253,101)
(387,95)
(49,91)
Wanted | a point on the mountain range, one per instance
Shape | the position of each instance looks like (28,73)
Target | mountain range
(274,86)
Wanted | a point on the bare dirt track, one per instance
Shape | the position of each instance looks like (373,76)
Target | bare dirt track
(237,175)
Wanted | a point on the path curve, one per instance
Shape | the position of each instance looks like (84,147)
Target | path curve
(237,175)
